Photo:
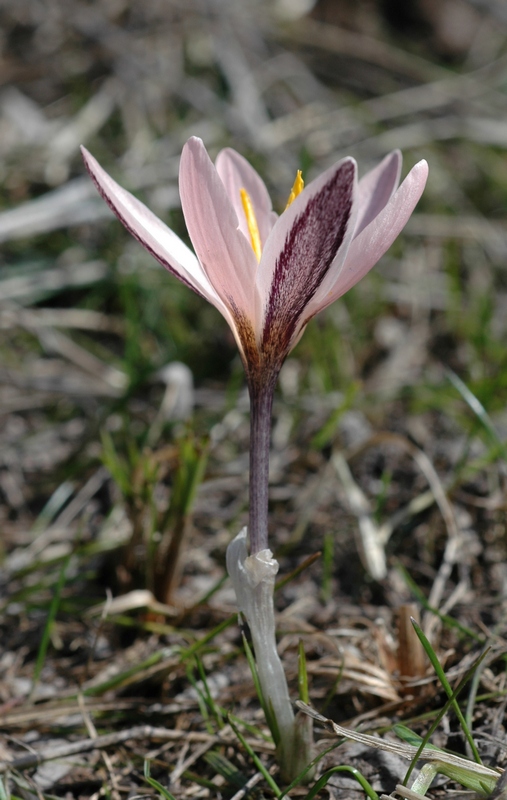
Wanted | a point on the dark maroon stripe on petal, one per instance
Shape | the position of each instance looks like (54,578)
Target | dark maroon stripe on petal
(307,254)
(161,260)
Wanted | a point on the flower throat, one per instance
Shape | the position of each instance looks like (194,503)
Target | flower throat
(251,219)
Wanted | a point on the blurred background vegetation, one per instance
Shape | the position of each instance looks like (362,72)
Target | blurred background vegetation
(124,413)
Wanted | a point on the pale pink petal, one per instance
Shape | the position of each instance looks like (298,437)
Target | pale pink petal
(374,240)
(236,174)
(223,251)
(152,233)
(305,242)
(376,188)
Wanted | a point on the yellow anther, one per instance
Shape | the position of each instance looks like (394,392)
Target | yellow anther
(297,188)
(251,221)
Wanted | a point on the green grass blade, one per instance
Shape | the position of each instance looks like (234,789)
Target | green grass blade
(194,648)
(256,760)
(424,742)
(201,700)
(408,736)
(478,409)
(124,678)
(327,566)
(155,784)
(309,767)
(302,674)
(447,686)
(209,594)
(295,572)
(234,777)
(208,697)
(268,711)
(332,691)
(46,635)
(328,431)
(53,506)
(323,780)
(421,598)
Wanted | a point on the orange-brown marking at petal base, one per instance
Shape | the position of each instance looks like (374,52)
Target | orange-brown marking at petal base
(261,368)
(250,351)
(297,188)
(251,221)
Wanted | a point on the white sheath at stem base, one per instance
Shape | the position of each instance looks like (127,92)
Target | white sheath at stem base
(253,578)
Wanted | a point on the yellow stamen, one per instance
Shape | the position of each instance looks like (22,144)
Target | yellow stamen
(251,221)
(297,188)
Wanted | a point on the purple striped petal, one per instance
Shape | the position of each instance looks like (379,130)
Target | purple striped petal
(236,173)
(374,240)
(314,228)
(151,232)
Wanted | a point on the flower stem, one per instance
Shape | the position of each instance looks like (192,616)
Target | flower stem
(261,403)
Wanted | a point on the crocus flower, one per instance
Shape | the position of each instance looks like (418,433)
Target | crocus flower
(268,274)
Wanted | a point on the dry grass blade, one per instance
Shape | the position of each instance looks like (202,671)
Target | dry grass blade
(138,732)
(138,598)
(64,145)
(56,342)
(370,544)
(406,751)
(74,203)
(30,286)
(384,54)
(81,318)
